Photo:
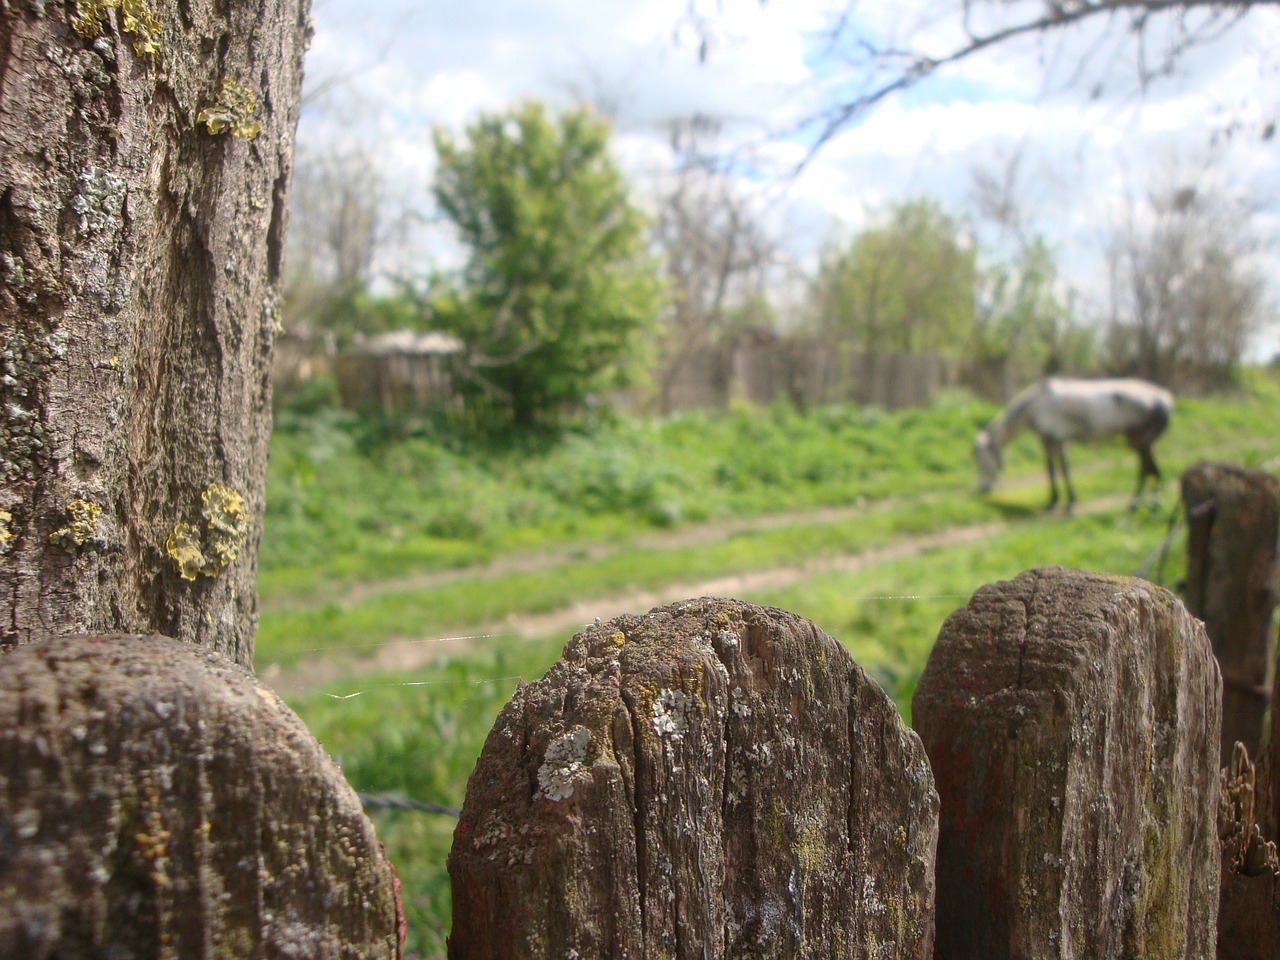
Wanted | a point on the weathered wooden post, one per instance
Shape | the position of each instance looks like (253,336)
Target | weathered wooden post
(155,801)
(713,779)
(1233,515)
(1071,721)
(1249,907)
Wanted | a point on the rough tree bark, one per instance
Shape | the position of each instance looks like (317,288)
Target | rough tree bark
(156,802)
(714,779)
(1233,516)
(1071,721)
(153,801)
(144,165)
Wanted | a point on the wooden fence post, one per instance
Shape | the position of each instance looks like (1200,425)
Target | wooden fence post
(155,801)
(1249,908)
(1232,519)
(713,779)
(1071,721)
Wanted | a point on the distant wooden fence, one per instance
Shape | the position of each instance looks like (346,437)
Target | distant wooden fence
(807,373)
(411,371)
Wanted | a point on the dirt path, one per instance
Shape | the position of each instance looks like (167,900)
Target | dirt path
(411,654)
(693,535)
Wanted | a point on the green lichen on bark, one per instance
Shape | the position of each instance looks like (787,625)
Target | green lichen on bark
(80,529)
(210,548)
(233,111)
(25,363)
(136,18)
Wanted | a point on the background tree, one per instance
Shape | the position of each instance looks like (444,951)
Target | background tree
(1186,293)
(558,293)
(1022,316)
(906,284)
(718,254)
(341,218)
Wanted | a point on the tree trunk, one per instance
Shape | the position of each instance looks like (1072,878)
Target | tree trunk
(156,802)
(1233,516)
(144,167)
(712,780)
(1071,721)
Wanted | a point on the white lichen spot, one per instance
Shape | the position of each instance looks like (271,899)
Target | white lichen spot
(27,823)
(872,905)
(560,763)
(99,200)
(671,711)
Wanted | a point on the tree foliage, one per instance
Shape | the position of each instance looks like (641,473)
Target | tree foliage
(1020,316)
(904,285)
(558,294)
(1023,310)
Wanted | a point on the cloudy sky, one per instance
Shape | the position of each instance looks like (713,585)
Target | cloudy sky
(381,73)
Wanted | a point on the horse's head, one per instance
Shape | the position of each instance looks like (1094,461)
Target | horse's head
(987,457)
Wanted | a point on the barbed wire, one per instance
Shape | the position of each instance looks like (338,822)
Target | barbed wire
(391,801)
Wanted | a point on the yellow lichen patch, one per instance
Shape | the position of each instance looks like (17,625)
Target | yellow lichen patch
(183,545)
(210,549)
(136,18)
(6,535)
(232,111)
(84,521)
(226,522)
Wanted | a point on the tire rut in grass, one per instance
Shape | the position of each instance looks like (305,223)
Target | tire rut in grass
(408,654)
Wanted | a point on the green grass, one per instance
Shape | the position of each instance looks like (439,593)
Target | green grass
(345,509)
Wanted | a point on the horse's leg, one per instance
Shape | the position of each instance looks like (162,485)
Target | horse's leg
(1050,447)
(1146,468)
(1066,475)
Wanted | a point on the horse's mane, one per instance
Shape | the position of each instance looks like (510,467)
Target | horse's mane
(1010,420)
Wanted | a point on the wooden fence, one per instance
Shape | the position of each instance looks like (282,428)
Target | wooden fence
(407,375)
(718,779)
(713,779)
(806,372)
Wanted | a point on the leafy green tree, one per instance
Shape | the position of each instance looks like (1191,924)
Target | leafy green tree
(905,285)
(1020,316)
(558,293)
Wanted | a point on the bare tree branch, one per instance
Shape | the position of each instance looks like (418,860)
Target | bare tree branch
(985,24)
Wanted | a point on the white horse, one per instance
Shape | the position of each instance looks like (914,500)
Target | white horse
(1061,409)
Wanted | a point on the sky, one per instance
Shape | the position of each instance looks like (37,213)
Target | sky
(382,73)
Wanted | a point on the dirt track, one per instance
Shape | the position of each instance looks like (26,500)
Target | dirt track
(413,653)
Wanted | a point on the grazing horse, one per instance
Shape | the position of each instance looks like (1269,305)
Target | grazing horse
(1061,409)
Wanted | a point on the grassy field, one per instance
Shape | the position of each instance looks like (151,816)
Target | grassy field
(370,540)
